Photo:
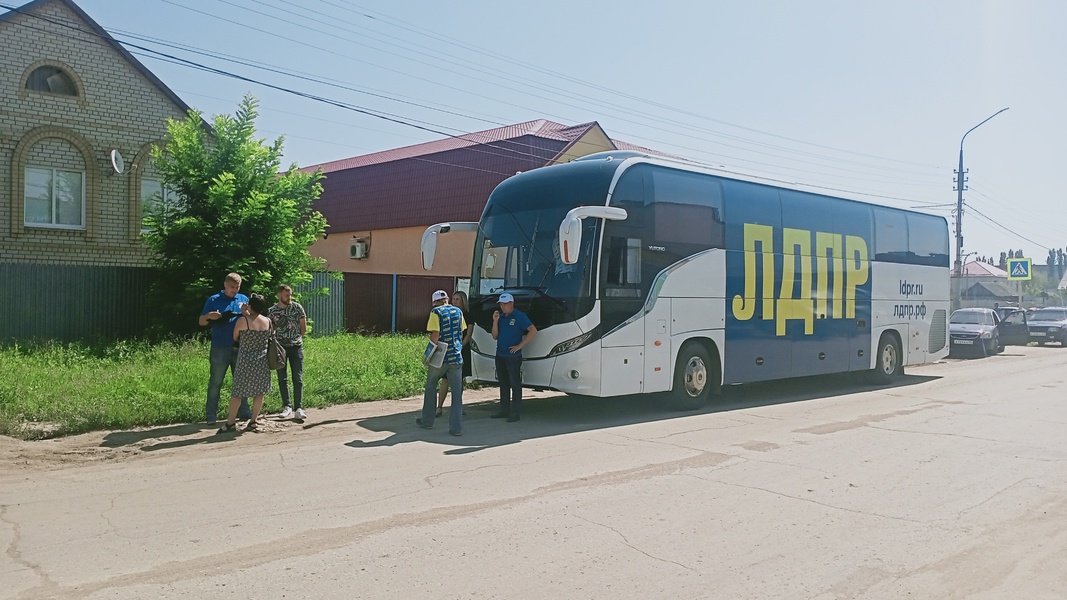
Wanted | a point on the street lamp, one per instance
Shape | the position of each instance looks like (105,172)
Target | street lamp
(960,181)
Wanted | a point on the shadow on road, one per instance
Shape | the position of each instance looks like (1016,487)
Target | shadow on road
(116,439)
(560,414)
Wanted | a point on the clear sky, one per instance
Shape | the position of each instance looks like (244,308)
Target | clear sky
(867,100)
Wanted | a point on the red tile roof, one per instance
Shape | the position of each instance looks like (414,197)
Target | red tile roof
(540,128)
(443,180)
(977,268)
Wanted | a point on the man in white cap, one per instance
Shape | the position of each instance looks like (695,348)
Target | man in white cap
(512,330)
(446,325)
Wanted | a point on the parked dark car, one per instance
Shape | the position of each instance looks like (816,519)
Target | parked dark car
(1048,325)
(974,331)
(1014,327)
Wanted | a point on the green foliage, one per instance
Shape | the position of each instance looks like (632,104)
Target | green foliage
(236,213)
(65,389)
(1035,285)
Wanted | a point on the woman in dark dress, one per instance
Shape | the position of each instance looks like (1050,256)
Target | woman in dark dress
(459,300)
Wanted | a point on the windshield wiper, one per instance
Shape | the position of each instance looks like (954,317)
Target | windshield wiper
(541,292)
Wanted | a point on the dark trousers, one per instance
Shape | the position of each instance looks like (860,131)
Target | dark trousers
(508,373)
(222,359)
(294,356)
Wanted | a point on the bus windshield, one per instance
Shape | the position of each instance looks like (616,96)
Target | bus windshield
(517,249)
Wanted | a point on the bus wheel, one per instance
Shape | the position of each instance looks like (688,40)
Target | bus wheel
(695,377)
(888,360)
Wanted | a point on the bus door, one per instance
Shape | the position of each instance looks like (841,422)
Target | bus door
(622,304)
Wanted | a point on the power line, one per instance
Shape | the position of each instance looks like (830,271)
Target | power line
(684,133)
(459,43)
(423,125)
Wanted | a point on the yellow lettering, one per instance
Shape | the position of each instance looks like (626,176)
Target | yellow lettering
(829,244)
(857,271)
(744,307)
(796,249)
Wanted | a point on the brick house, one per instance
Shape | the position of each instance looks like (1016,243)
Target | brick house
(378,206)
(77,109)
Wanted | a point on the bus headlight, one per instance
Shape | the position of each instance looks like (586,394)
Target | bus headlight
(572,344)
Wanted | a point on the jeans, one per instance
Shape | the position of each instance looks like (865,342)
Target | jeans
(222,359)
(294,356)
(509,374)
(454,373)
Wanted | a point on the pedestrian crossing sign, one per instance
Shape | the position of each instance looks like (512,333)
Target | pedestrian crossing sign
(1019,269)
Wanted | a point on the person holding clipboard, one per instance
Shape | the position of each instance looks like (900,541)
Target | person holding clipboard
(220,312)
(446,326)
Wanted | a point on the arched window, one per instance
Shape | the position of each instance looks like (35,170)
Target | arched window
(51,79)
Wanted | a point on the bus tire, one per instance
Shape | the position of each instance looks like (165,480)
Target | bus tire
(696,377)
(888,360)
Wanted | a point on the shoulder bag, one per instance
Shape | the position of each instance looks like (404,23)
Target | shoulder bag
(275,351)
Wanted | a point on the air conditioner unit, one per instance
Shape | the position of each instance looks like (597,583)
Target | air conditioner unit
(358,250)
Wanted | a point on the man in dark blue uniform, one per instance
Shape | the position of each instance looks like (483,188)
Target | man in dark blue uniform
(512,330)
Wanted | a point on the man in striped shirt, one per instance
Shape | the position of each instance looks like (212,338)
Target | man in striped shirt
(446,325)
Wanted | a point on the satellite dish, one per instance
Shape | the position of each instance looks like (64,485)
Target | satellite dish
(116,161)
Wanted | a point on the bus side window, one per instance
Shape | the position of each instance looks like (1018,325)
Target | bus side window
(624,261)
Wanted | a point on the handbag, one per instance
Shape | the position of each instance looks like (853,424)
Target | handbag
(275,351)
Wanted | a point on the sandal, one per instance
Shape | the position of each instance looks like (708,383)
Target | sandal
(439,411)
(252,426)
(228,428)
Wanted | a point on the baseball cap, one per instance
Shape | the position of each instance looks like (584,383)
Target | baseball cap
(506,297)
(440,295)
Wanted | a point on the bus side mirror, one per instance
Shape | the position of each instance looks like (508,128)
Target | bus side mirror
(428,246)
(570,230)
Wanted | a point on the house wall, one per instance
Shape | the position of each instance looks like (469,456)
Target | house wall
(117,107)
(396,252)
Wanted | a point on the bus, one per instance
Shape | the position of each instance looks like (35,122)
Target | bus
(645,274)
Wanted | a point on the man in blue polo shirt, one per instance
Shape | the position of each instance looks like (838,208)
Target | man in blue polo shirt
(512,330)
(221,312)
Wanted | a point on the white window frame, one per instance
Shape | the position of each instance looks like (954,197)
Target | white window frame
(52,199)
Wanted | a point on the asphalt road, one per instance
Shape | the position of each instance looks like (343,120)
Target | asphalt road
(952,484)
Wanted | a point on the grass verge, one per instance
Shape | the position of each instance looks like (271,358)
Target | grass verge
(52,390)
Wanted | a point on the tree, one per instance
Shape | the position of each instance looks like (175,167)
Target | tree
(1054,268)
(235,213)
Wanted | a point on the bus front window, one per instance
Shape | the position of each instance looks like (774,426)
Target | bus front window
(518,251)
(493,276)
(511,256)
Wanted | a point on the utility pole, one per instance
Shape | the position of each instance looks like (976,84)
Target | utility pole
(961,184)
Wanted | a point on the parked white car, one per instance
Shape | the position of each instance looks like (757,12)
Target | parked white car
(974,331)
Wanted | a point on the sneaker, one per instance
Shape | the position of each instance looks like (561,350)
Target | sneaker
(420,424)
(300,414)
(286,411)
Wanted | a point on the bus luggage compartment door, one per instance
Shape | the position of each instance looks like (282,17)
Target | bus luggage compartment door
(622,370)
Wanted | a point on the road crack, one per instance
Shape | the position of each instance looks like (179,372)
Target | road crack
(631,546)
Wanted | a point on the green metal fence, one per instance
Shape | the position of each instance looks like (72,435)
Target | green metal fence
(78,303)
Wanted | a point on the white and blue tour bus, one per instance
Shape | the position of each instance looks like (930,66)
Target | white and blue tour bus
(647,275)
